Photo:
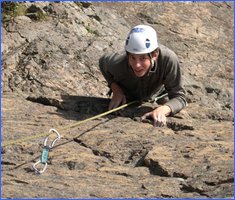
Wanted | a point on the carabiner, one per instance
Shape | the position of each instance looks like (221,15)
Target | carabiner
(45,152)
(53,142)
(39,171)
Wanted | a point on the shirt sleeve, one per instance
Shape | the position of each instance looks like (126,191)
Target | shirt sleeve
(104,64)
(173,84)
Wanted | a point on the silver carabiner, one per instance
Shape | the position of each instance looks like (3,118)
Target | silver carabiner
(42,160)
(45,152)
(53,142)
(39,171)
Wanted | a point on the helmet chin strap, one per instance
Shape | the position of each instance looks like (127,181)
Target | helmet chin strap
(152,67)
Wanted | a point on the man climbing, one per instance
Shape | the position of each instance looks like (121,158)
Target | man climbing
(145,71)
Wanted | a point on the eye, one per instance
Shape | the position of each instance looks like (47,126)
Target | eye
(143,58)
(132,57)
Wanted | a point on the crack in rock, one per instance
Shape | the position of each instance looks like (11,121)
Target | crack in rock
(20,181)
(180,175)
(189,189)
(95,151)
(46,101)
(156,169)
(73,165)
(213,183)
(179,127)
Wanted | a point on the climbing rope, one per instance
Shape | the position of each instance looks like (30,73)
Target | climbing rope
(13,142)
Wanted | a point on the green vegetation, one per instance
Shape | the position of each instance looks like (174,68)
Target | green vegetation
(40,16)
(89,30)
(10,10)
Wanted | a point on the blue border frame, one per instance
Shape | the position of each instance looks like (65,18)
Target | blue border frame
(1,103)
(99,1)
(124,1)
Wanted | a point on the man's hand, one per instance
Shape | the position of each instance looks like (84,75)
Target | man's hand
(158,115)
(118,98)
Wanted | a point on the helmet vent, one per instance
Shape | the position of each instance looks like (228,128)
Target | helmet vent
(127,40)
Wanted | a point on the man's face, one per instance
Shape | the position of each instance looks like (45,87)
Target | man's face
(140,63)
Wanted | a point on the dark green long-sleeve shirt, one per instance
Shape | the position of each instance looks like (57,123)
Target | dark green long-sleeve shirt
(165,74)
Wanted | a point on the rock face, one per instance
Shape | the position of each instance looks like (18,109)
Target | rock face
(50,79)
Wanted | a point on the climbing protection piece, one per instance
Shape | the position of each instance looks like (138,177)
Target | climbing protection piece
(45,152)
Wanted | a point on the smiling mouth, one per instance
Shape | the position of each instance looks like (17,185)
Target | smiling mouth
(139,73)
(139,70)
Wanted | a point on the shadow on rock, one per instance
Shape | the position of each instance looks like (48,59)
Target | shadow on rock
(74,107)
(82,107)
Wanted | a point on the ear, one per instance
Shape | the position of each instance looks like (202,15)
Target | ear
(155,55)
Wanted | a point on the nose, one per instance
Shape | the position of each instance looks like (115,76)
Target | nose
(136,64)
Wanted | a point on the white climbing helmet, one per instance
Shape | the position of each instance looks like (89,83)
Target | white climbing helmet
(141,39)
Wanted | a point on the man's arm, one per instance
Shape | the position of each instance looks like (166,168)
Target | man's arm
(173,85)
(118,97)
